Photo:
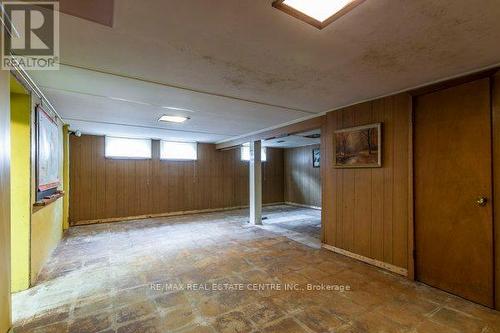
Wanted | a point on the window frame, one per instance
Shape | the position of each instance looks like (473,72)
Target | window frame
(128,157)
(263,152)
(178,159)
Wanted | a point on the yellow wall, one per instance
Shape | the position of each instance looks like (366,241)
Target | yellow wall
(46,227)
(20,191)
(47,223)
(5,319)
(66,177)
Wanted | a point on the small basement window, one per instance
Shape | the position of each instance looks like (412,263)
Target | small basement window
(126,148)
(181,151)
(245,153)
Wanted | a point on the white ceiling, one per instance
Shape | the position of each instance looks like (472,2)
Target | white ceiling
(242,66)
(294,141)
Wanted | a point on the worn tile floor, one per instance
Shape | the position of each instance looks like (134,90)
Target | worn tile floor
(142,276)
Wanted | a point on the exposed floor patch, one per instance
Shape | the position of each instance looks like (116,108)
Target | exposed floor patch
(302,225)
(215,273)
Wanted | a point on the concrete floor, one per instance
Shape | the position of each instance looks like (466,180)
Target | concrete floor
(296,223)
(150,276)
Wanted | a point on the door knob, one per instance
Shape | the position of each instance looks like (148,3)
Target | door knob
(481,201)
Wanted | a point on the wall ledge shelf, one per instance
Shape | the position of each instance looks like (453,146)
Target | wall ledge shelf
(47,201)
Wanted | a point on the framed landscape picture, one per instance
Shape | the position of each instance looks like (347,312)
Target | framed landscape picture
(358,147)
(316,158)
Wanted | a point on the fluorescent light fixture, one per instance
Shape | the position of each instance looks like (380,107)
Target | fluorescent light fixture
(318,13)
(319,10)
(173,119)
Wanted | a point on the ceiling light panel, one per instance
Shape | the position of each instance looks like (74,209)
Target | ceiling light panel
(318,9)
(318,13)
(173,119)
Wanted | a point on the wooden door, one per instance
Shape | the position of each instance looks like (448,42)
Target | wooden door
(453,169)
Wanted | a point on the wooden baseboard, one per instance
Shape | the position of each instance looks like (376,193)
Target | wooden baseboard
(379,264)
(302,205)
(152,216)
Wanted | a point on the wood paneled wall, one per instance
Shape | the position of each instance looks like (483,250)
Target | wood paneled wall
(105,188)
(367,211)
(302,181)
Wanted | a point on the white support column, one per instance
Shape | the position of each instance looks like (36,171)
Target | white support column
(255,183)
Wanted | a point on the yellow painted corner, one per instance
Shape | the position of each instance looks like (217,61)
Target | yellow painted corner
(46,235)
(66,176)
(20,192)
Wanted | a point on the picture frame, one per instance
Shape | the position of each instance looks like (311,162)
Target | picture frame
(48,154)
(316,157)
(358,147)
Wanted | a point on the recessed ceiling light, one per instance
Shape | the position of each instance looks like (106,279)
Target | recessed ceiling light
(318,13)
(173,119)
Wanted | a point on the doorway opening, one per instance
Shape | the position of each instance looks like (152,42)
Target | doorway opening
(300,217)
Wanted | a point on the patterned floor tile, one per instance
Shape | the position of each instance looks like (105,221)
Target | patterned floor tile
(214,273)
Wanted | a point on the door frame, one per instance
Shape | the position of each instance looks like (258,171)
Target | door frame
(494,76)
(495,118)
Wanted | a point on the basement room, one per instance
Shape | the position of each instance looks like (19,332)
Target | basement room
(238,166)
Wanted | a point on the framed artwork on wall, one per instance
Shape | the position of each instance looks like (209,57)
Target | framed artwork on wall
(316,158)
(48,154)
(358,147)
